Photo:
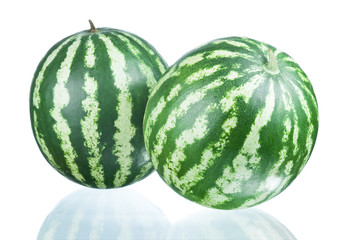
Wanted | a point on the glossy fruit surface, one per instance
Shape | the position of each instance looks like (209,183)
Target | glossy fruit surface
(87,103)
(232,123)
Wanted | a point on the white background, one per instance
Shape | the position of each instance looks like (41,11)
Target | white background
(312,32)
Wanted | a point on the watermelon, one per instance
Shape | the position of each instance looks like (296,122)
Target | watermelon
(87,103)
(231,124)
(104,214)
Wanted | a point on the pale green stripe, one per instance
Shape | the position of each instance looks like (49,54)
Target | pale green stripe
(287,131)
(232,75)
(135,51)
(245,91)
(273,184)
(176,113)
(304,104)
(162,67)
(44,147)
(158,109)
(286,98)
(295,134)
(90,54)
(125,129)
(288,167)
(175,70)
(260,45)
(152,119)
(167,76)
(228,102)
(254,68)
(214,197)
(309,92)
(191,60)
(239,66)
(248,154)
(274,180)
(277,52)
(174,92)
(238,71)
(291,69)
(144,68)
(187,137)
(144,170)
(123,136)
(302,76)
(288,59)
(234,43)
(61,99)
(281,183)
(228,54)
(288,104)
(233,176)
(202,73)
(90,132)
(299,72)
(38,81)
(213,151)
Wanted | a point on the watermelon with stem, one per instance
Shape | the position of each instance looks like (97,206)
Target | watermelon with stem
(87,102)
(232,123)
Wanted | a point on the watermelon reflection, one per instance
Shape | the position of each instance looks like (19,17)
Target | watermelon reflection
(231,225)
(104,214)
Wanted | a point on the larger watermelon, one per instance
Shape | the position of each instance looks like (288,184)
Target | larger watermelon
(87,103)
(232,123)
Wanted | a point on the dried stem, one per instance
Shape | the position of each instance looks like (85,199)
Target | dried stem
(272,64)
(92,27)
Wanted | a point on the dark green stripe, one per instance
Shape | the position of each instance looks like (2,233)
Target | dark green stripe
(246,114)
(45,120)
(74,112)
(107,102)
(139,92)
(146,56)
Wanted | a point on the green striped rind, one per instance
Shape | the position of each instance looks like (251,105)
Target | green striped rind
(87,103)
(224,131)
